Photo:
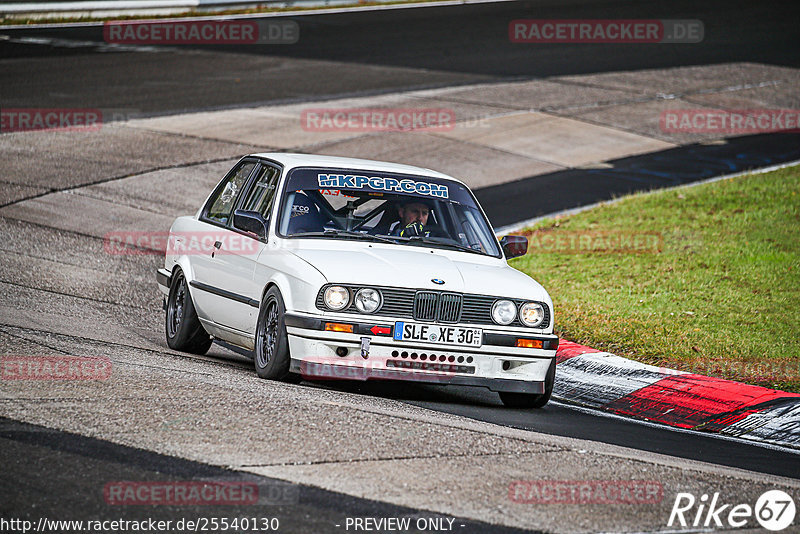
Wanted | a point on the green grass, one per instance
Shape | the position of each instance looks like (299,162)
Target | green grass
(721,297)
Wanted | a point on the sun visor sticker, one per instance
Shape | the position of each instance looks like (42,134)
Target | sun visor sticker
(380,184)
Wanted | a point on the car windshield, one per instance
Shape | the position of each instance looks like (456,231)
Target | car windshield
(380,206)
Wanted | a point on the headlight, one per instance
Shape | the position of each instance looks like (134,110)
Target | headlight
(368,300)
(531,314)
(337,298)
(504,312)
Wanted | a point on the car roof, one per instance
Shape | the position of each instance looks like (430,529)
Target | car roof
(290,161)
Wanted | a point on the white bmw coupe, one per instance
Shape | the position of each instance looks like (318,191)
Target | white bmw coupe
(325,267)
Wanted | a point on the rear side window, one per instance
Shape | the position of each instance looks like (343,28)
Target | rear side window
(262,194)
(222,205)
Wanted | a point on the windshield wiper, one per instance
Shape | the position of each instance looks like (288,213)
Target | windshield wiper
(333,232)
(435,241)
(370,237)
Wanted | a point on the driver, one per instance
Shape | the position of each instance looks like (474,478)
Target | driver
(414,215)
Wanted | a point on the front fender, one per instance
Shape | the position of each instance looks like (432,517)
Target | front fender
(297,280)
(184,224)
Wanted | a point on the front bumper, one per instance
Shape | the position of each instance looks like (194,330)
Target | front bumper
(164,278)
(497,364)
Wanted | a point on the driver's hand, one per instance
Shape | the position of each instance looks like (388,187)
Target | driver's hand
(413,229)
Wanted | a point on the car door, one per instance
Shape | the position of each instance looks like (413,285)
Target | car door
(232,264)
(214,276)
(236,260)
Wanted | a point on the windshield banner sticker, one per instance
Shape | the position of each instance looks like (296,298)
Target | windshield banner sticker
(378,183)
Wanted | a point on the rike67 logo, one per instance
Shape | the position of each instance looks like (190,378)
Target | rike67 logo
(774,510)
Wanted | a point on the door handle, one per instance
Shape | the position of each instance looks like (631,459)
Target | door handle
(217,246)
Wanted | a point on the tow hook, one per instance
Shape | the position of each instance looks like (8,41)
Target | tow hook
(365,347)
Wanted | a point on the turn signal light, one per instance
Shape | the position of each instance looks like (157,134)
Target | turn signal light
(339,327)
(530,343)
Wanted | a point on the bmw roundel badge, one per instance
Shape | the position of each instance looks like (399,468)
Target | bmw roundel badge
(437,281)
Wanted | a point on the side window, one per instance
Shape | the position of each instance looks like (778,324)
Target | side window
(262,193)
(222,206)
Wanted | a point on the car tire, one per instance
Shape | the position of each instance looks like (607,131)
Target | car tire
(183,329)
(527,400)
(272,343)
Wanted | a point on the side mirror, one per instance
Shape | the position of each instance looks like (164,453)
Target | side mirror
(514,246)
(250,221)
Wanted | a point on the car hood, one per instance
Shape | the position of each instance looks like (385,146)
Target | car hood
(417,267)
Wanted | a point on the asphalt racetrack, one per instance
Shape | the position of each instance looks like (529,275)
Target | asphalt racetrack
(378,51)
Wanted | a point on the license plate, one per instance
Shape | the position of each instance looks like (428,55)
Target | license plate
(430,333)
